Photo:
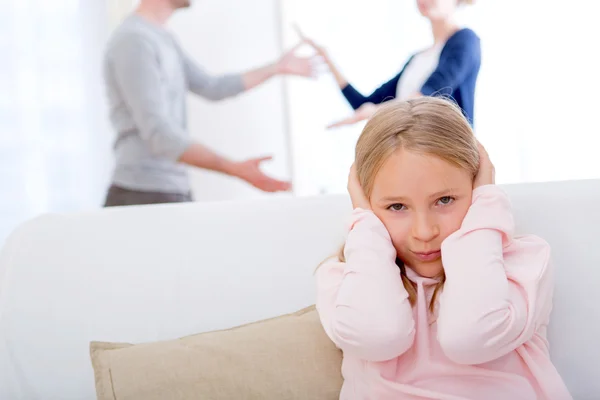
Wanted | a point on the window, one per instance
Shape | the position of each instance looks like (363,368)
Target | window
(54,138)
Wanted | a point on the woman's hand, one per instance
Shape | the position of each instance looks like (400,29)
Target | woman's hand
(487,173)
(364,112)
(357,195)
(320,50)
(322,54)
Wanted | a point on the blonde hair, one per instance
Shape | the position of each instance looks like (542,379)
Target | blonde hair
(426,125)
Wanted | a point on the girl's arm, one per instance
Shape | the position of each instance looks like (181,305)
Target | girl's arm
(362,303)
(498,289)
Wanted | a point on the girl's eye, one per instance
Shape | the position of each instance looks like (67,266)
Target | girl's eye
(444,201)
(396,207)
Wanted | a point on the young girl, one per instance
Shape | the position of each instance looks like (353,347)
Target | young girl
(449,67)
(433,296)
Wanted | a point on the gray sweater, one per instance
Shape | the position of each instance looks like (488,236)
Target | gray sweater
(147,77)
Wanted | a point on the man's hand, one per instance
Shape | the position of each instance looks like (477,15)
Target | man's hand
(250,172)
(291,64)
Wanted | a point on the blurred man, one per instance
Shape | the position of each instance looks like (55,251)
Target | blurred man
(147,77)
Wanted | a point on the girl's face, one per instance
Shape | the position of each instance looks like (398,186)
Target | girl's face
(421,200)
(437,9)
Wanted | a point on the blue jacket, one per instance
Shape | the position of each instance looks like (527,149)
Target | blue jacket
(455,76)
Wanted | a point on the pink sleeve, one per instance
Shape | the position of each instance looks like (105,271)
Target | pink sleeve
(362,303)
(498,289)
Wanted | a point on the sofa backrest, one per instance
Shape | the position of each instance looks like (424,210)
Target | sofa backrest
(139,274)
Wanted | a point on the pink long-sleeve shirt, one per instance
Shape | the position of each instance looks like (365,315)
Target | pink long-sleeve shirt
(487,339)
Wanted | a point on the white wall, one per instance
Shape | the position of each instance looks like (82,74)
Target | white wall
(227,36)
(537,92)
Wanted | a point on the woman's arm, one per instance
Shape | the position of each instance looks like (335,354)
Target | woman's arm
(386,91)
(498,288)
(320,50)
(362,303)
(337,74)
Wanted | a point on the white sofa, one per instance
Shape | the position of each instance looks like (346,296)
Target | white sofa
(160,272)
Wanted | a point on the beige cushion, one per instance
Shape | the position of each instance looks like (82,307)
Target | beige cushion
(287,357)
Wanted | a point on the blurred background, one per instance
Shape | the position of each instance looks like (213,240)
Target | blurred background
(536,101)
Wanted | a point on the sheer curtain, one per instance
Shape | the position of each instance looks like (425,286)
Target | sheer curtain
(54,136)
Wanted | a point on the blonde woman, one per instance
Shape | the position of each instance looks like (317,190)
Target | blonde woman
(433,295)
(449,67)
